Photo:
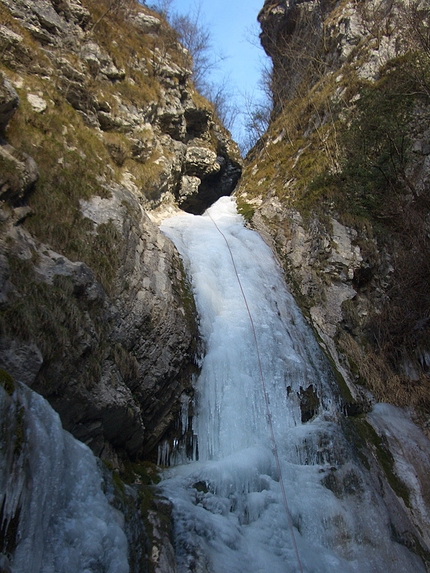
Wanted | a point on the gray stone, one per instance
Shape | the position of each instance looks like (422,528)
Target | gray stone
(113,73)
(37,103)
(79,14)
(172,122)
(99,61)
(92,54)
(70,71)
(51,265)
(22,360)
(111,122)
(47,16)
(19,214)
(146,23)
(78,95)
(19,174)
(198,121)
(189,186)
(150,317)
(200,162)
(113,402)
(345,255)
(5,285)
(162,557)
(9,38)
(9,101)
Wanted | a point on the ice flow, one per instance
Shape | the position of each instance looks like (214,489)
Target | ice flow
(54,515)
(228,511)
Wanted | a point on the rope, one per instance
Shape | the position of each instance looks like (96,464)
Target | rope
(266,398)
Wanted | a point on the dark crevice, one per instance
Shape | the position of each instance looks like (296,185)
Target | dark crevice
(213,187)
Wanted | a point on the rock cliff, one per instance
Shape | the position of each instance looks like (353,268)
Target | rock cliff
(102,132)
(339,185)
(100,125)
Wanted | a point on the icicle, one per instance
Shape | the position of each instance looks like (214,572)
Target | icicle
(50,483)
(185,404)
(163,457)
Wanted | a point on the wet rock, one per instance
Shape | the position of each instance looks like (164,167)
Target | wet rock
(309,403)
(344,481)
(162,555)
(22,360)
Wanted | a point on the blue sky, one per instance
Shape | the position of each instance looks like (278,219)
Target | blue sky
(234,31)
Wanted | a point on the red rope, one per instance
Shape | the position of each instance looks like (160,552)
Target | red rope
(266,398)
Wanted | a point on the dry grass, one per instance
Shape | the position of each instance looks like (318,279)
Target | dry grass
(60,323)
(374,372)
(128,46)
(49,316)
(71,158)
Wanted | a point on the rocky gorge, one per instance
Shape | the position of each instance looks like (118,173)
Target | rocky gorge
(97,135)
(103,134)
(339,185)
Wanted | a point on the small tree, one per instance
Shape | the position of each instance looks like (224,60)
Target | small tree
(416,36)
(257,118)
(113,7)
(219,94)
(162,7)
(196,38)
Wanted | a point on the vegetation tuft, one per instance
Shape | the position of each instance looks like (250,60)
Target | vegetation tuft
(245,209)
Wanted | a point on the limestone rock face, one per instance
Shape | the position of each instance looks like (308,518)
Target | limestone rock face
(286,25)
(323,263)
(96,133)
(9,102)
(200,161)
(22,360)
(146,22)
(50,22)
(141,336)
(354,247)
(305,38)
(189,186)
(18,175)
(18,170)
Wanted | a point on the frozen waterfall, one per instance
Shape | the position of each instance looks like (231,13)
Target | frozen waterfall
(228,511)
(55,517)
